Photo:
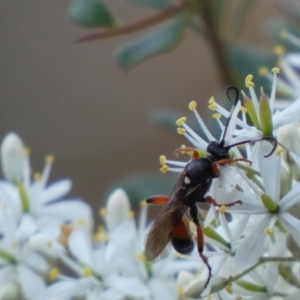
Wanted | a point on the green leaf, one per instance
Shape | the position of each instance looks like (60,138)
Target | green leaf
(157,42)
(91,13)
(159,4)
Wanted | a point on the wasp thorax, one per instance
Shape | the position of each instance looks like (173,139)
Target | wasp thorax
(198,169)
(217,150)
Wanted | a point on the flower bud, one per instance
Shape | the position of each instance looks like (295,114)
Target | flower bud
(12,157)
(117,209)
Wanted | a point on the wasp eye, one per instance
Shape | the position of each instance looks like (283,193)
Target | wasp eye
(187,180)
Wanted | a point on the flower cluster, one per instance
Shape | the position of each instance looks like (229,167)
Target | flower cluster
(253,253)
(50,250)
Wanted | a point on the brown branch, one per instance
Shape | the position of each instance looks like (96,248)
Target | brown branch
(133,27)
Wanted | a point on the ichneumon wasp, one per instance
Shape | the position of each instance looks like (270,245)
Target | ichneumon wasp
(172,223)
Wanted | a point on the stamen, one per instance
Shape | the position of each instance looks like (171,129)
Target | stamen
(275,70)
(181,131)
(243,109)
(263,71)
(180,121)
(164,169)
(53,274)
(248,81)
(279,50)
(87,271)
(268,230)
(102,212)
(162,160)
(192,105)
(222,209)
(228,288)
(216,116)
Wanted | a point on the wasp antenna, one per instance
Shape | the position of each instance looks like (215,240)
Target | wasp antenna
(271,138)
(265,138)
(236,99)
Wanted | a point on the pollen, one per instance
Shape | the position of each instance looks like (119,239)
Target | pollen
(244,109)
(211,100)
(228,288)
(268,230)
(181,131)
(180,291)
(180,121)
(49,159)
(279,150)
(222,209)
(279,50)
(27,151)
(130,214)
(192,105)
(143,203)
(163,160)
(216,116)
(87,271)
(164,169)
(141,256)
(263,71)
(53,274)
(212,106)
(283,34)
(37,176)
(248,81)
(100,235)
(276,70)
(102,212)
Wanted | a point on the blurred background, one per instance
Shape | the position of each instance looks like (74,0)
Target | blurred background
(73,101)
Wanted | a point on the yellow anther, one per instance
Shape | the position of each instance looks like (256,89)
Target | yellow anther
(37,176)
(164,169)
(26,151)
(211,100)
(100,235)
(181,131)
(283,34)
(192,105)
(248,81)
(279,150)
(49,159)
(212,106)
(141,256)
(268,230)
(222,209)
(217,116)
(53,274)
(87,271)
(65,233)
(102,212)
(180,121)
(163,160)
(143,204)
(263,71)
(209,297)
(180,291)
(279,50)
(228,288)
(130,214)
(276,70)
(244,109)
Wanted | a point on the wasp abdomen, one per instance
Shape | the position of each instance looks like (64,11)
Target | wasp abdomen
(183,246)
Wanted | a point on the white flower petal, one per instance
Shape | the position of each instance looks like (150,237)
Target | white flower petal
(31,284)
(62,290)
(251,248)
(81,246)
(128,286)
(162,290)
(292,224)
(56,190)
(292,197)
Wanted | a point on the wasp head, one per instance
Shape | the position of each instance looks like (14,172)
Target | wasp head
(217,150)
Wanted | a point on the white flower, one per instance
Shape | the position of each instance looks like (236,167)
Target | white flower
(44,203)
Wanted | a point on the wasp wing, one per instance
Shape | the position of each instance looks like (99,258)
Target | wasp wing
(170,215)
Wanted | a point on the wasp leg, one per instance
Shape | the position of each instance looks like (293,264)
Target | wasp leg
(186,150)
(211,201)
(158,199)
(228,161)
(200,240)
